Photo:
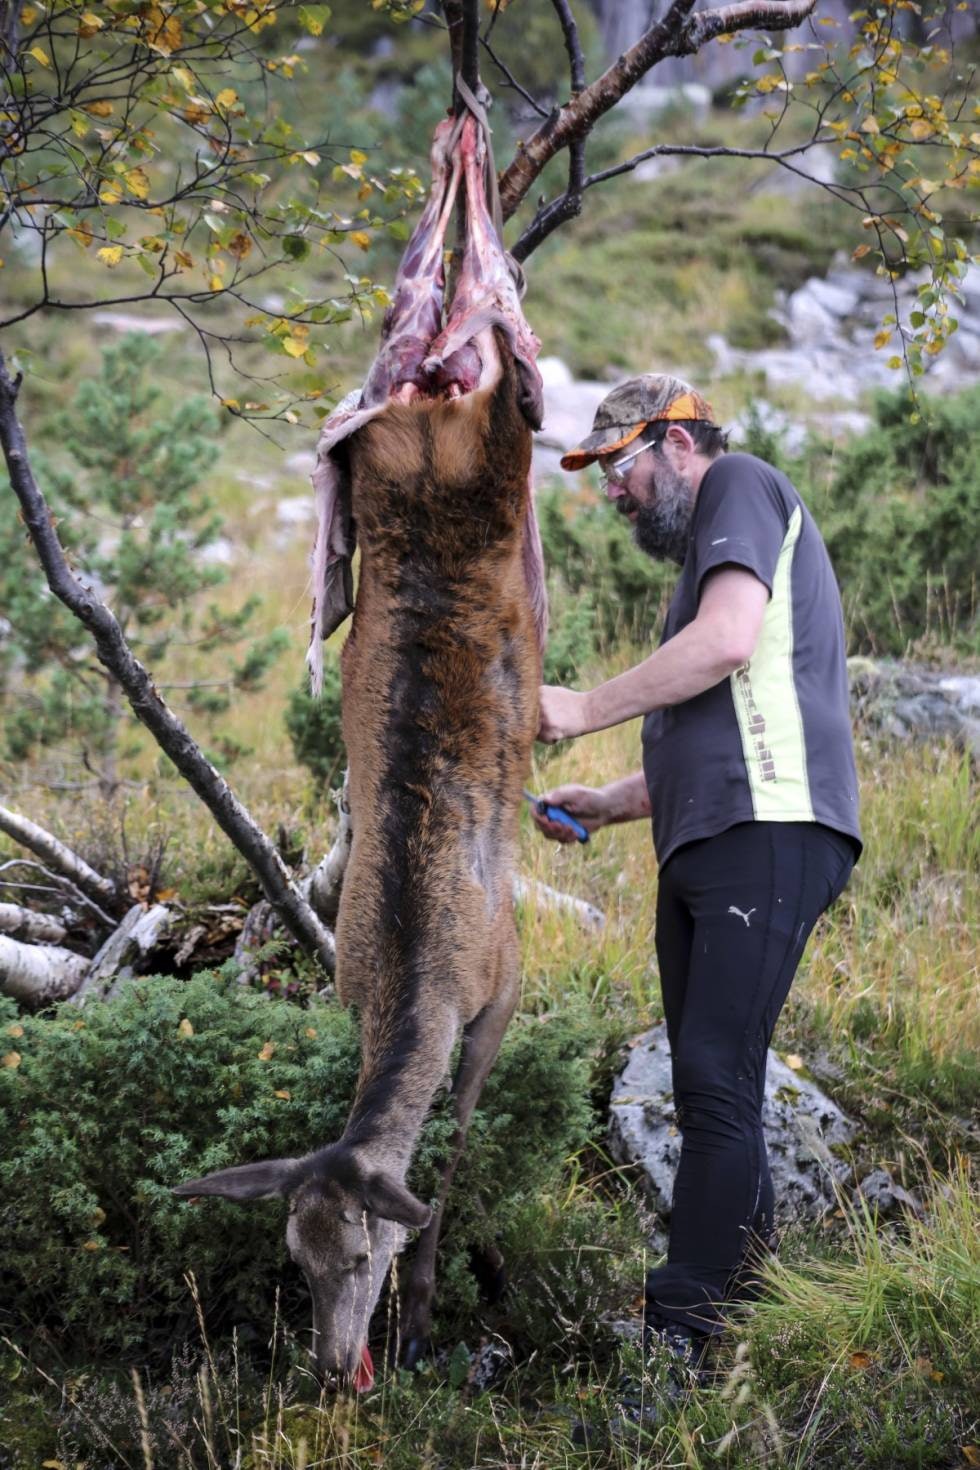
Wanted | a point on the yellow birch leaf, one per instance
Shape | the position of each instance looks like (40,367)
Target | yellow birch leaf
(185,1028)
(40,55)
(12,1059)
(89,24)
(882,338)
(99,109)
(794,1061)
(860,251)
(110,255)
(183,258)
(293,346)
(92,1245)
(361,239)
(232,403)
(267,1051)
(226,98)
(920,129)
(870,125)
(138,182)
(216,283)
(356,156)
(283,1092)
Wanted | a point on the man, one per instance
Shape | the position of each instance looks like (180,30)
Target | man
(748,774)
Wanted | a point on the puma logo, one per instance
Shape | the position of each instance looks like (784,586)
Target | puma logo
(733,910)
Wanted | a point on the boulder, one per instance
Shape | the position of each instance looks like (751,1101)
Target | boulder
(901,702)
(883,1196)
(801,1126)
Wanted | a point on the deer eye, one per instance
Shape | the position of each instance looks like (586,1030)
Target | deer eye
(357,1263)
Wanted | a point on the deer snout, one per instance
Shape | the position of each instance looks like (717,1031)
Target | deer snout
(342,1371)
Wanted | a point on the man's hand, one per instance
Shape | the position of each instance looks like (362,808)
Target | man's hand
(561,714)
(588,805)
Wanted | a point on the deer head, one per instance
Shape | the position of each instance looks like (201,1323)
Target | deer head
(346,1222)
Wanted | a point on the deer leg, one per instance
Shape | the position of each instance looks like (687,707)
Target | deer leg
(480,1045)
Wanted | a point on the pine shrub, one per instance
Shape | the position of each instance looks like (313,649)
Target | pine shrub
(103,1110)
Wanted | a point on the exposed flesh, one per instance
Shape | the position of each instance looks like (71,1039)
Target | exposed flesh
(421,357)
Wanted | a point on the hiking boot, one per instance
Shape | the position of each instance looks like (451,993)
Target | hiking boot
(746,1280)
(677,1360)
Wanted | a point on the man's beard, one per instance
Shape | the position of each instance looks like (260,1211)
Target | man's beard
(663,529)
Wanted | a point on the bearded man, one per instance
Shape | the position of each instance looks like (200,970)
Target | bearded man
(749,777)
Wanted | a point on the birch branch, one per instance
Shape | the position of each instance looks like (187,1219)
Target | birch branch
(324,883)
(678,34)
(168,731)
(56,854)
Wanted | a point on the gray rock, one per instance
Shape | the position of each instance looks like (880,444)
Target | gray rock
(800,1122)
(840,296)
(295,510)
(897,701)
(881,1192)
(964,690)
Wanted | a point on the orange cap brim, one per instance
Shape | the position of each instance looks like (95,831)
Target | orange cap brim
(577,459)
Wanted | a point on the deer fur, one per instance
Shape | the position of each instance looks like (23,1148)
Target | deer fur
(440,679)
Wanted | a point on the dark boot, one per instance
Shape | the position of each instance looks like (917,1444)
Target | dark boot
(746,1280)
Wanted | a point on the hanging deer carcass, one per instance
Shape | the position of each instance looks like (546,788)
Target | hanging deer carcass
(430,471)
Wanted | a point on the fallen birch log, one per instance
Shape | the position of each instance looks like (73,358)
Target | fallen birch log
(322,888)
(38,975)
(124,952)
(58,856)
(529,890)
(29,925)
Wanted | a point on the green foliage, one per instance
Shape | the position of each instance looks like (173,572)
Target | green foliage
(108,1109)
(602,576)
(899,509)
(315,728)
(571,633)
(127,493)
(902,523)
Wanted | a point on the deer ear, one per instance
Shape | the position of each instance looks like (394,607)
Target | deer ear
(245,1181)
(392,1201)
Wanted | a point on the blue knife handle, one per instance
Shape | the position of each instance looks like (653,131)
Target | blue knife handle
(559,814)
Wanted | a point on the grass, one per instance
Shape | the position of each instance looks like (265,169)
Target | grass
(867,1356)
(865,1347)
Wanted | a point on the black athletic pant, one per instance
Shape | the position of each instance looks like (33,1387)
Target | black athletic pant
(733,916)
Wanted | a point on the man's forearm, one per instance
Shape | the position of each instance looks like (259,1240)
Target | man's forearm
(628,798)
(696,659)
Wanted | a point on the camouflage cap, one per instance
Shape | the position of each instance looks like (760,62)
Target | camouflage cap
(625,412)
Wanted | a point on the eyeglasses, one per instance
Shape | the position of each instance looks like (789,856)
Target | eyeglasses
(614,474)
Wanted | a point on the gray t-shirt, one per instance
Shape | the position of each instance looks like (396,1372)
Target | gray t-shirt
(772,742)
